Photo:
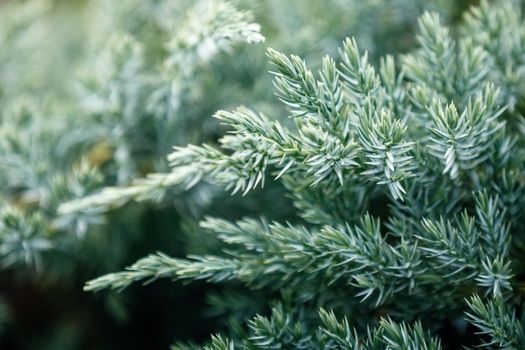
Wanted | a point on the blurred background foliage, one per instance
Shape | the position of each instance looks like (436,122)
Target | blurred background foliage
(95,93)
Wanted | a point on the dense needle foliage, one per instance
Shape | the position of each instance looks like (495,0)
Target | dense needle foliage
(377,202)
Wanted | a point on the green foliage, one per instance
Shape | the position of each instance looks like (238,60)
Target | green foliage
(493,319)
(115,93)
(405,172)
(423,136)
(281,331)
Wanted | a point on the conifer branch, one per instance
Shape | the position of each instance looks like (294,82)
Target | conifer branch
(495,321)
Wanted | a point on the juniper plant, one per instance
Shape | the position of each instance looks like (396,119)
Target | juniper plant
(408,177)
(405,172)
(117,92)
